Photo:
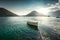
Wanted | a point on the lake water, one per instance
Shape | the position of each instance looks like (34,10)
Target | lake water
(16,28)
(49,28)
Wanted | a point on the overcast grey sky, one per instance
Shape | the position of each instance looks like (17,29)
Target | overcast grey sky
(22,7)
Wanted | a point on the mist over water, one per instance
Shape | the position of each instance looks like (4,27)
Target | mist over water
(49,28)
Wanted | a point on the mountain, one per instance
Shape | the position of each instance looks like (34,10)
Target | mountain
(55,13)
(5,12)
(34,13)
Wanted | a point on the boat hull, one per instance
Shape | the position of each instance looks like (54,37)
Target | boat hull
(33,24)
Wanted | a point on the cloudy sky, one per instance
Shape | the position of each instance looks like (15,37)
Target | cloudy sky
(23,7)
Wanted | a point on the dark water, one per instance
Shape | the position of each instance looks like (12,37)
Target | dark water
(16,28)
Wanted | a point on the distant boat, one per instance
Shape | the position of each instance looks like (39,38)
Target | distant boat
(32,23)
(57,17)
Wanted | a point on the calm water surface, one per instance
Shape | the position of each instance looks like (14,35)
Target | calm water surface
(49,28)
(16,28)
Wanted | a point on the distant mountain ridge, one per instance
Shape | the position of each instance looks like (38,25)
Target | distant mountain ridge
(55,13)
(35,13)
(5,12)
